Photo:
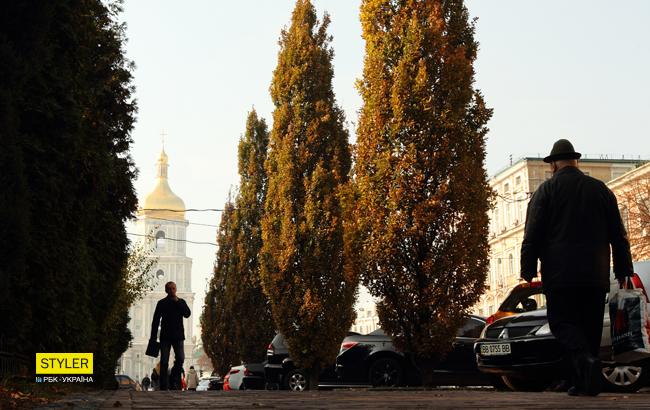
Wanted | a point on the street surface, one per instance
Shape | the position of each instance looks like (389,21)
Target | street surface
(350,399)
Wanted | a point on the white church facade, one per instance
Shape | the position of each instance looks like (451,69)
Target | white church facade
(163,217)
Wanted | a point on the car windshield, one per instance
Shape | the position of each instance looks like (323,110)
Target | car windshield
(524,300)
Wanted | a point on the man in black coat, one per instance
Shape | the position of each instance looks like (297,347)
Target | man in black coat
(171,310)
(571,222)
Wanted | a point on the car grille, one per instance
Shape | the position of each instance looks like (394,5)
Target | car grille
(495,332)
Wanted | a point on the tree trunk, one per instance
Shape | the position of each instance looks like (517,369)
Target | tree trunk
(425,368)
(313,374)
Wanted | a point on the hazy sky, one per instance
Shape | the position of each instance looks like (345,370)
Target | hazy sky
(550,69)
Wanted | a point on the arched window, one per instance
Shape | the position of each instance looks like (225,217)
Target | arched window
(160,240)
(511,265)
(499,274)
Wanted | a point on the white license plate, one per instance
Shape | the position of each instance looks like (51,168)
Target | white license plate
(495,349)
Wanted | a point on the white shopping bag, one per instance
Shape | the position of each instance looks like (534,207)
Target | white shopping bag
(630,325)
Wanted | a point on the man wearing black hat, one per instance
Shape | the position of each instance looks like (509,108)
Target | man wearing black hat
(572,220)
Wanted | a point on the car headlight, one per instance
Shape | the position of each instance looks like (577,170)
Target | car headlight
(544,330)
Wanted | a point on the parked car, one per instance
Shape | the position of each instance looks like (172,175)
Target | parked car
(126,382)
(249,376)
(203,385)
(522,298)
(215,384)
(521,349)
(373,359)
(281,373)
(209,383)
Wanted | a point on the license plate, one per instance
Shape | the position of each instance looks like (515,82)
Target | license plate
(496,349)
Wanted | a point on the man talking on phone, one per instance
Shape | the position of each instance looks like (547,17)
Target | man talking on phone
(170,310)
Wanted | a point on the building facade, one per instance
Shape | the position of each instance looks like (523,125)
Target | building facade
(367,319)
(162,218)
(632,191)
(514,187)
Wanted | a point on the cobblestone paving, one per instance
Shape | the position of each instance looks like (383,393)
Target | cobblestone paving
(351,399)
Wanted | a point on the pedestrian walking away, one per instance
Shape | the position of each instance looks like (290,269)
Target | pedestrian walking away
(155,379)
(169,314)
(192,379)
(146,382)
(571,223)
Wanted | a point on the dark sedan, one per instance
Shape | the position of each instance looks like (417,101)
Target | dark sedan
(372,359)
(281,373)
(522,350)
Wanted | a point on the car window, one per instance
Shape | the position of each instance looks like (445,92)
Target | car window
(124,380)
(532,302)
(278,341)
(514,302)
(472,328)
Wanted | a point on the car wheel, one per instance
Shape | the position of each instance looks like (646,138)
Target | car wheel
(385,372)
(297,381)
(624,378)
(522,384)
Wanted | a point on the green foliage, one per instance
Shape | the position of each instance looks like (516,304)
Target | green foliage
(217,321)
(66,113)
(303,261)
(136,281)
(423,191)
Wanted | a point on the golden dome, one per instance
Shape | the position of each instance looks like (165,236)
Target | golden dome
(162,202)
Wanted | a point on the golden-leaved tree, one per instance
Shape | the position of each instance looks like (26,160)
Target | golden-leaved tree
(217,329)
(422,186)
(251,320)
(302,260)
(634,199)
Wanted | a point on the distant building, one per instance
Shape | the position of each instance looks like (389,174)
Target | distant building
(633,194)
(367,319)
(514,186)
(163,216)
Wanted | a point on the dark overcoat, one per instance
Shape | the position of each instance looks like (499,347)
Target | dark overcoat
(572,220)
(171,313)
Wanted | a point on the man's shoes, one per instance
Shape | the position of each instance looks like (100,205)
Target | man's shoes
(560,386)
(592,373)
(573,391)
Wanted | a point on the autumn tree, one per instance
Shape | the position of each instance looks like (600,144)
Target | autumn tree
(217,320)
(303,265)
(423,191)
(252,325)
(634,201)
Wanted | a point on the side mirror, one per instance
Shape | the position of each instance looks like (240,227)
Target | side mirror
(529,304)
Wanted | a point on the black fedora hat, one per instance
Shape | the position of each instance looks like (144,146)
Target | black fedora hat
(562,149)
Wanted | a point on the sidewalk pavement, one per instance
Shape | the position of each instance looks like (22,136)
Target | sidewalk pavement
(349,399)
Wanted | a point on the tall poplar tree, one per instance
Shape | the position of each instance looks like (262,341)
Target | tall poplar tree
(253,327)
(217,319)
(419,172)
(303,265)
(66,113)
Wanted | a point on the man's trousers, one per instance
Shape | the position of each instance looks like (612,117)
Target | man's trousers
(575,316)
